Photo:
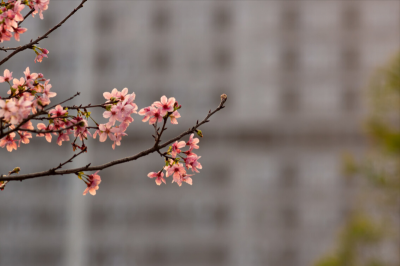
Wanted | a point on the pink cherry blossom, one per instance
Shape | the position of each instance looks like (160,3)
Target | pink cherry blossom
(7,76)
(57,111)
(174,116)
(92,184)
(193,142)
(146,112)
(48,136)
(106,130)
(176,170)
(17,9)
(7,109)
(184,178)
(159,177)
(9,142)
(24,136)
(113,114)
(62,137)
(156,115)
(166,105)
(176,148)
(192,163)
(17,32)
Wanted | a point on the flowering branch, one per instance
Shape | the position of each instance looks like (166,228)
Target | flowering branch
(32,43)
(155,148)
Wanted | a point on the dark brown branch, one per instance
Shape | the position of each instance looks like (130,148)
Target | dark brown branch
(30,45)
(47,131)
(120,161)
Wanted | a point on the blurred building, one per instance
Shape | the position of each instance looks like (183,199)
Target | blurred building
(271,191)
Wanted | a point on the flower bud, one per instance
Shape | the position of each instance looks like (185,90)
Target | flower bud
(199,133)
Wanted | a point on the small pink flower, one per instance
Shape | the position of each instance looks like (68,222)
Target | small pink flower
(62,137)
(7,76)
(192,163)
(47,94)
(146,112)
(9,142)
(92,184)
(24,136)
(177,170)
(185,178)
(17,32)
(113,114)
(57,111)
(193,142)
(156,116)
(166,105)
(106,130)
(48,136)
(174,116)
(176,148)
(159,177)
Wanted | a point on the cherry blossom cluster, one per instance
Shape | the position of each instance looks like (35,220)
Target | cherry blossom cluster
(10,15)
(119,107)
(159,110)
(26,95)
(175,158)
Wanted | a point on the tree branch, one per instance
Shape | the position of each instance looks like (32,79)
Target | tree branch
(30,45)
(119,161)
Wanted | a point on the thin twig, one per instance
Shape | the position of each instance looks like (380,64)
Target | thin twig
(30,45)
(120,161)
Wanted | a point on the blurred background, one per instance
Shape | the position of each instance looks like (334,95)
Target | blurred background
(272,190)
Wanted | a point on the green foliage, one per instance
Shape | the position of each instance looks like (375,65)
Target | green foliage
(373,223)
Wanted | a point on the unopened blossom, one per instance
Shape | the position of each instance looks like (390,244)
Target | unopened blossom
(166,105)
(7,76)
(92,184)
(177,170)
(176,148)
(42,126)
(9,142)
(193,142)
(159,177)
(174,116)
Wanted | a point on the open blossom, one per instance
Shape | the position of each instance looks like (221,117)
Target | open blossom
(185,178)
(7,109)
(176,148)
(17,32)
(104,131)
(48,136)
(9,142)
(46,93)
(92,184)
(7,76)
(174,116)
(177,170)
(192,163)
(113,114)
(155,115)
(193,142)
(62,137)
(24,136)
(58,111)
(159,177)
(166,105)
(146,112)
(40,6)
